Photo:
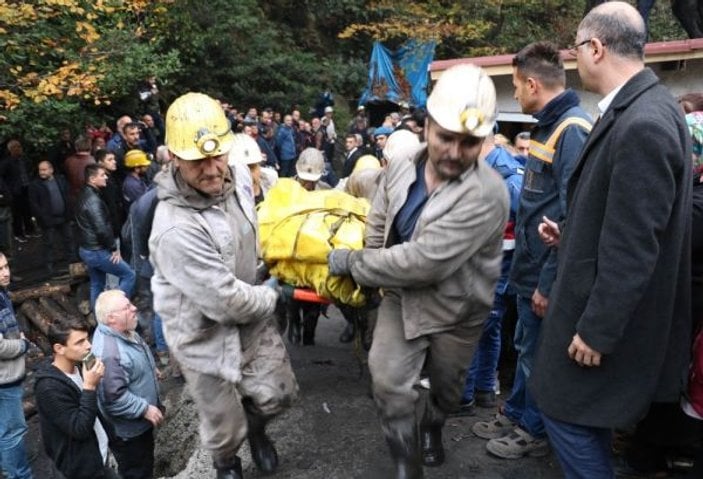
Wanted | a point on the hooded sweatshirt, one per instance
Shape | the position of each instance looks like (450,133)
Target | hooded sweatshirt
(204,252)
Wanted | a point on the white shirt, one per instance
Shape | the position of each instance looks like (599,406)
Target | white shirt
(608,99)
(99,430)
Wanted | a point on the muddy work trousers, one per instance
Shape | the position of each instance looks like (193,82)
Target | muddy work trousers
(268,386)
(396,363)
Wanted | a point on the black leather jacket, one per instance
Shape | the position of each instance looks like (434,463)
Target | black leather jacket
(93,219)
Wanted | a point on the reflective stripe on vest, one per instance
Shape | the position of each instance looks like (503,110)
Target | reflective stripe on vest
(545,151)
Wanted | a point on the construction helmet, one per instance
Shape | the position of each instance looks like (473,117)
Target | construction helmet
(245,150)
(135,158)
(367,162)
(401,140)
(310,164)
(464,101)
(196,127)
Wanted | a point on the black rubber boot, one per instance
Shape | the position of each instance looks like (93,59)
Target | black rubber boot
(229,469)
(431,434)
(363,331)
(309,325)
(348,334)
(263,452)
(401,436)
(293,324)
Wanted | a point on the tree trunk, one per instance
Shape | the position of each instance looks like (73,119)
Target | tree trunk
(66,304)
(55,312)
(36,315)
(36,292)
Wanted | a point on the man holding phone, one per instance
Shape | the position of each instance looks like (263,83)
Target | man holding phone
(128,395)
(72,429)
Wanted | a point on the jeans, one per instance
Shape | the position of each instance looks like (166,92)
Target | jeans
(520,407)
(584,452)
(158,330)
(135,456)
(13,456)
(481,375)
(99,265)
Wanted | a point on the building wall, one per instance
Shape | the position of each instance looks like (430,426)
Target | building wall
(687,78)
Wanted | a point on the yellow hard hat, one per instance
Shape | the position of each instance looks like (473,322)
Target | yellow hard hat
(367,162)
(245,150)
(196,127)
(135,158)
(464,101)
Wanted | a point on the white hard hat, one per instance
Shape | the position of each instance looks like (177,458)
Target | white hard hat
(329,109)
(310,164)
(400,140)
(244,150)
(464,101)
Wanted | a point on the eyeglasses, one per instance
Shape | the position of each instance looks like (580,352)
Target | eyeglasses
(574,49)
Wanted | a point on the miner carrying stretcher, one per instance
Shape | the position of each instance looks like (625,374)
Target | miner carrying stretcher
(219,325)
(433,244)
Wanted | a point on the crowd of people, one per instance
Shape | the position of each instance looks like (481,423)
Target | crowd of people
(583,226)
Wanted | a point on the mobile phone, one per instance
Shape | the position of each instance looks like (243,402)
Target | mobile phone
(89,360)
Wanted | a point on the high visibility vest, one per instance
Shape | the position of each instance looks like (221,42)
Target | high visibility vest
(545,151)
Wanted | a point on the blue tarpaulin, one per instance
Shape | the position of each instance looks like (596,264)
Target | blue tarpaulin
(399,76)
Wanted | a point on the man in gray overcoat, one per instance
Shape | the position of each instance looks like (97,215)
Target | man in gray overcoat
(616,334)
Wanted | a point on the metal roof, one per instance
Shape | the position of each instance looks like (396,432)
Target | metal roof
(655,52)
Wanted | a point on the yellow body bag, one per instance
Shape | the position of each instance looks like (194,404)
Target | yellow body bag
(298,228)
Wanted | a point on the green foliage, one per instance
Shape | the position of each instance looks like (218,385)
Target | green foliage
(69,62)
(247,60)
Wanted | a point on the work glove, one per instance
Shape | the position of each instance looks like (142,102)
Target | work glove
(285,291)
(338,262)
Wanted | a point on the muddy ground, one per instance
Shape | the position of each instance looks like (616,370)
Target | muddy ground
(331,432)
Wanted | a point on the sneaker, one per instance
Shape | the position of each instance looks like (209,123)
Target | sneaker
(518,444)
(163,357)
(498,427)
(485,399)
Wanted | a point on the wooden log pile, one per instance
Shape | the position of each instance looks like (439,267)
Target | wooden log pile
(37,307)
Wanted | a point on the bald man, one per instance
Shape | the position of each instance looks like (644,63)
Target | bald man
(616,335)
(48,199)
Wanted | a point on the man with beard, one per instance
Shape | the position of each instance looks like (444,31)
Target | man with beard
(434,244)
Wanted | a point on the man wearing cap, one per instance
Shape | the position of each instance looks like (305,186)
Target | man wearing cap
(433,243)
(309,167)
(136,163)
(380,136)
(218,325)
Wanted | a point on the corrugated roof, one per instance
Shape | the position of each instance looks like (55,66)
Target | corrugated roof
(655,52)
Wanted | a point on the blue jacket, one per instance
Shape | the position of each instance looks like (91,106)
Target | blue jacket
(285,143)
(512,171)
(129,385)
(544,194)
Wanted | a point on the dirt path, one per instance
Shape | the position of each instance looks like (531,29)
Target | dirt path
(331,433)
